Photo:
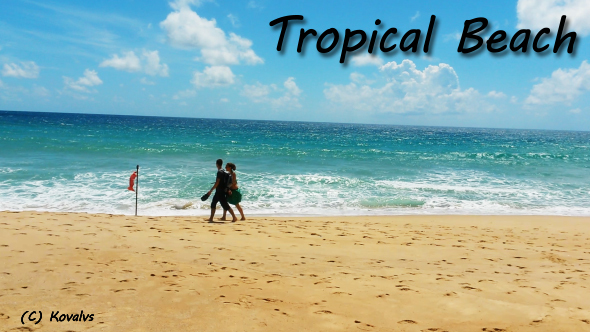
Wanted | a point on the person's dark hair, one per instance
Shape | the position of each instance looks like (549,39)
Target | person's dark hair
(219,162)
(232,166)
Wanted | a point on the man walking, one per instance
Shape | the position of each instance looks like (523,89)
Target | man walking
(220,187)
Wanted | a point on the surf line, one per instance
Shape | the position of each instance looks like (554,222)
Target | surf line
(409,42)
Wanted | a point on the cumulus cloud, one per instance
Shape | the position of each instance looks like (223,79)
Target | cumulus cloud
(149,63)
(213,77)
(89,79)
(286,97)
(152,64)
(186,29)
(564,86)
(538,14)
(367,60)
(129,62)
(26,69)
(434,90)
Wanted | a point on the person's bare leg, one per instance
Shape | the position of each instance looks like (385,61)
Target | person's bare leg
(212,214)
(241,212)
(231,211)
(224,213)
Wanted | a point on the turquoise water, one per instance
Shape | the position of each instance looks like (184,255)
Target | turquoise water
(82,163)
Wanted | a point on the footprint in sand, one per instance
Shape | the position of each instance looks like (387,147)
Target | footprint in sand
(323,312)
(269,300)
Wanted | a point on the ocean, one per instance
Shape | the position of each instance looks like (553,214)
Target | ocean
(82,163)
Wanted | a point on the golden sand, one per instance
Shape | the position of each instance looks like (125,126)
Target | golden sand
(394,273)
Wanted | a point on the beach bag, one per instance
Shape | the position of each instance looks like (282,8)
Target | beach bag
(224,180)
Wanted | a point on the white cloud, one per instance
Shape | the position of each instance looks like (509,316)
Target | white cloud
(213,77)
(538,14)
(131,63)
(41,91)
(185,94)
(286,97)
(89,79)
(258,91)
(433,90)
(360,78)
(152,64)
(413,18)
(27,69)
(291,87)
(235,21)
(564,86)
(186,29)
(576,111)
(496,94)
(254,5)
(183,4)
(367,60)
(145,81)
(452,36)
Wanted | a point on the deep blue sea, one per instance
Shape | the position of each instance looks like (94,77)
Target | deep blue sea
(82,163)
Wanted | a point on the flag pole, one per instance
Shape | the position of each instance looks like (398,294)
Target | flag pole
(136,190)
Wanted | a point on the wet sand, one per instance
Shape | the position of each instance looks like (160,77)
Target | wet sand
(391,273)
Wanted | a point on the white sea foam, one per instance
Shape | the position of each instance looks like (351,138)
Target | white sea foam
(163,193)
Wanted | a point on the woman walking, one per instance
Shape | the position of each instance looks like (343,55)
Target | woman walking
(234,196)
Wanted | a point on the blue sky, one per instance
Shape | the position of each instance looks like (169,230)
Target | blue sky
(218,59)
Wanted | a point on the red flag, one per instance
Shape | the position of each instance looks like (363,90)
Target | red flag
(132,181)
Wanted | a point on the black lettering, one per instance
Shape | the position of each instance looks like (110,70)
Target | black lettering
(302,35)
(285,20)
(69,317)
(542,32)
(429,33)
(62,317)
(321,39)
(523,44)
(76,318)
(496,37)
(373,37)
(559,39)
(91,317)
(54,315)
(384,49)
(472,34)
(414,44)
(347,36)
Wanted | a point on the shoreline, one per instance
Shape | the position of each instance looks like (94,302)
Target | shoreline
(329,273)
(311,215)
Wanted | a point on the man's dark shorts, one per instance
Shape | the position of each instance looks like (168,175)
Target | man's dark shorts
(222,199)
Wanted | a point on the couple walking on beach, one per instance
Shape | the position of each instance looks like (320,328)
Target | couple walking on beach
(226,191)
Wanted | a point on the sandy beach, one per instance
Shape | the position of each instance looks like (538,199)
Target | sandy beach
(391,273)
